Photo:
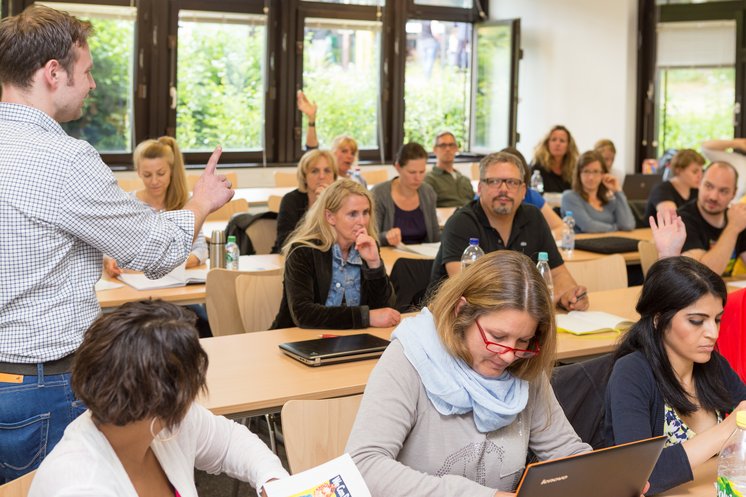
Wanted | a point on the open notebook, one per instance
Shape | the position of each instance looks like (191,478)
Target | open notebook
(178,277)
(586,322)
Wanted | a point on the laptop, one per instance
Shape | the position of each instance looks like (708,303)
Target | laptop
(323,351)
(607,244)
(639,186)
(619,471)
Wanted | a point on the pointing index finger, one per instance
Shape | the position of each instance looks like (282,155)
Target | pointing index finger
(212,164)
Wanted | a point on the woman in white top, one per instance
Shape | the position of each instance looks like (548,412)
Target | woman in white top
(160,165)
(139,370)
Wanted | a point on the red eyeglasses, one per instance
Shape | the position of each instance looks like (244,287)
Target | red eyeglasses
(498,348)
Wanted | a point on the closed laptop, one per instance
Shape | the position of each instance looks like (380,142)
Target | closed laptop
(323,351)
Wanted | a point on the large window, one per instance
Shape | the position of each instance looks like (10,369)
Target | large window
(341,74)
(437,84)
(220,81)
(695,83)
(107,119)
(227,72)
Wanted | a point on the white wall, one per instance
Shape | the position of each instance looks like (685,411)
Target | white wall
(578,69)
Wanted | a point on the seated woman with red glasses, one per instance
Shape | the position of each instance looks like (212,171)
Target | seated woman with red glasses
(462,393)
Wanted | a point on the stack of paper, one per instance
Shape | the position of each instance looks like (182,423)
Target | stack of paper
(178,277)
(429,250)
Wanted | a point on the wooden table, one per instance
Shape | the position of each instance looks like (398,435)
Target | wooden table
(183,295)
(259,196)
(248,374)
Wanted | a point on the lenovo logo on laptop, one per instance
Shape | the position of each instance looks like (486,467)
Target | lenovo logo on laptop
(553,480)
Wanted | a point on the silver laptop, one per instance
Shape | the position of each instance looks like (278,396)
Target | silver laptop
(323,351)
(619,471)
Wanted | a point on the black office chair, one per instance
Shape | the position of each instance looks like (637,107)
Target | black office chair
(410,278)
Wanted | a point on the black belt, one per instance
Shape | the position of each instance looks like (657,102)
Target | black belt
(59,366)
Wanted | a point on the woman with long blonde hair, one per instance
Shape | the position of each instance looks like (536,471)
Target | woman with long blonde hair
(554,158)
(334,275)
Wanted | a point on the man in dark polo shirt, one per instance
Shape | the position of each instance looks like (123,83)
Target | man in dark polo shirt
(501,222)
(452,188)
(715,232)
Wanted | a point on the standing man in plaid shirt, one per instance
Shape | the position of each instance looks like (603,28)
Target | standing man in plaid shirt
(60,210)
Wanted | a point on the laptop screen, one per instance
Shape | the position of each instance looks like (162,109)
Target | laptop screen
(619,471)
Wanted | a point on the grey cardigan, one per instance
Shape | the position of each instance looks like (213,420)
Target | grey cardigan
(385,210)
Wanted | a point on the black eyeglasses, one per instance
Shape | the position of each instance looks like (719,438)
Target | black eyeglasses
(512,184)
(499,348)
(446,145)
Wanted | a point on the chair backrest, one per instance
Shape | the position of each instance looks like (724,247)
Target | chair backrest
(232,207)
(262,233)
(18,487)
(410,278)
(192,179)
(130,185)
(285,178)
(273,203)
(580,389)
(222,306)
(648,255)
(374,176)
(604,273)
(258,297)
(316,431)
(475,170)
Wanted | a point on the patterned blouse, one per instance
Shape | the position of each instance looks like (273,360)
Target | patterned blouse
(674,428)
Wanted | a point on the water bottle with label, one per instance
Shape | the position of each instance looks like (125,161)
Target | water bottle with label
(731,480)
(231,254)
(537,182)
(546,272)
(471,254)
(568,234)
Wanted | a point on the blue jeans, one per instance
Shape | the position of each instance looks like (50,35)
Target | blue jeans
(33,417)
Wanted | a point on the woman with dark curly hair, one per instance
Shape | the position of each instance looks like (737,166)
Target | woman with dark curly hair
(139,370)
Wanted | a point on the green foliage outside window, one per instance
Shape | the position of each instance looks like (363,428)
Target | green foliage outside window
(696,105)
(220,86)
(346,94)
(107,116)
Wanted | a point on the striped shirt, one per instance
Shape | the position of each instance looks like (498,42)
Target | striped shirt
(60,210)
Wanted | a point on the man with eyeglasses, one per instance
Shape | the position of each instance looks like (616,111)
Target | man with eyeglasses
(715,232)
(453,188)
(501,222)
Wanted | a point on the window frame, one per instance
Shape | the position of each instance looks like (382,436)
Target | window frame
(650,15)
(156,29)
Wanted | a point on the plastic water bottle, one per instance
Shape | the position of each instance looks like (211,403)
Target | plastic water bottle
(546,272)
(568,234)
(231,254)
(471,254)
(731,480)
(537,182)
